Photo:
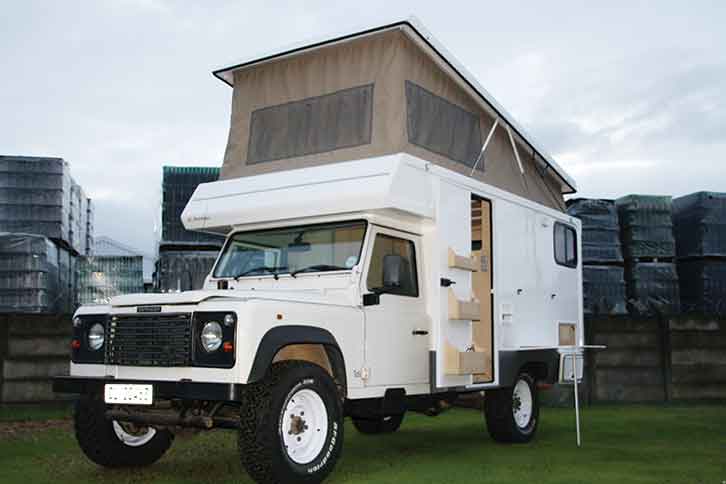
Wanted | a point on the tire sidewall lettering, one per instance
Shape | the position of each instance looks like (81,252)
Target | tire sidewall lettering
(328,453)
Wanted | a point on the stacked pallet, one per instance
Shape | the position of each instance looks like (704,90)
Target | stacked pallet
(90,244)
(700,229)
(183,270)
(44,222)
(602,271)
(177,186)
(646,233)
(35,197)
(185,257)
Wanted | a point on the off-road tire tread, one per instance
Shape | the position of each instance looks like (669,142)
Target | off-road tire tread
(98,441)
(500,419)
(254,409)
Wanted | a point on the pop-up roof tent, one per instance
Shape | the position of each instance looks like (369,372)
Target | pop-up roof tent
(383,90)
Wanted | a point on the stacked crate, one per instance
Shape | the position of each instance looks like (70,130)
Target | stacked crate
(700,230)
(35,197)
(646,233)
(177,186)
(185,257)
(602,270)
(41,208)
(183,270)
(30,274)
(89,221)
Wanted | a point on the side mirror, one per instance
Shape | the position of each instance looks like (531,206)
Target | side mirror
(392,271)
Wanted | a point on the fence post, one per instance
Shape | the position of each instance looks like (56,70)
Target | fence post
(3,350)
(666,353)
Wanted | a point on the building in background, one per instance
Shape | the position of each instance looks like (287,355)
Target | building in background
(185,257)
(106,246)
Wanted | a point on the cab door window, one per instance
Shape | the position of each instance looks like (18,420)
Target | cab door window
(397,255)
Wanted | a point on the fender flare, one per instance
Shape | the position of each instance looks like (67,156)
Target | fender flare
(280,336)
(512,362)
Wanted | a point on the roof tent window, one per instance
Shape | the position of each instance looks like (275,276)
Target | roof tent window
(441,126)
(313,125)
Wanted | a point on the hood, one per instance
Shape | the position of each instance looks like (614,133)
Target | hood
(318,296)
(187,297)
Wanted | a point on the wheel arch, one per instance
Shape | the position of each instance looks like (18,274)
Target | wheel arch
(543,365)
(303,343)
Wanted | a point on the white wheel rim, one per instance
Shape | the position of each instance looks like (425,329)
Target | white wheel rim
(304,426)
(522,404)
(136,439)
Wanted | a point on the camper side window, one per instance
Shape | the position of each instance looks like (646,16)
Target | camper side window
(565,245)
(393,267)
(342,119)
(440,126)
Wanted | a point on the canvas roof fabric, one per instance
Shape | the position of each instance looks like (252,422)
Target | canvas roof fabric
(379,91)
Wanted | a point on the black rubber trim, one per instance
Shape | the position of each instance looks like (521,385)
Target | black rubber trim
(511,362)
(218,358)
(85,354)
(279,337)
(185,390)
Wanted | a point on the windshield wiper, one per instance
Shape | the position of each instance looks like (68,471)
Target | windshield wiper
(318,267)
(275,271)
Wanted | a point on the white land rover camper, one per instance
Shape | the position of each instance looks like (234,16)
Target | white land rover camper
(394,240)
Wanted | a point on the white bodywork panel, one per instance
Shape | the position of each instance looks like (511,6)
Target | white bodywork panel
(384,184)
(399,195)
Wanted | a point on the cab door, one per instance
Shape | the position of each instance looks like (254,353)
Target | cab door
(397,326)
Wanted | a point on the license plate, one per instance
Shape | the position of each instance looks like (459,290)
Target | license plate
(129,394)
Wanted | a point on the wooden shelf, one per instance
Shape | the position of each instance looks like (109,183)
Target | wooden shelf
(465,362)
(463,310)
(470,263)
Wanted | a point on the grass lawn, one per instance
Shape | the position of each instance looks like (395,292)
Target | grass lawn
(623,444)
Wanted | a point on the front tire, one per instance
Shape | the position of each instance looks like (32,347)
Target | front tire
(512,414)
(291,425)
(378,425)
(115,444)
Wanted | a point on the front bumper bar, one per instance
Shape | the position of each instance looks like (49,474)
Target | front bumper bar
(182,389)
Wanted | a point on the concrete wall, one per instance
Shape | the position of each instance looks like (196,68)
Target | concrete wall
(658,359)
(679,358)
(33,348)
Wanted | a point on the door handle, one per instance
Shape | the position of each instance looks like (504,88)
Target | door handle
(419,332)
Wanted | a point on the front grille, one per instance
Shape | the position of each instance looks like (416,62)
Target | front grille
(149,340)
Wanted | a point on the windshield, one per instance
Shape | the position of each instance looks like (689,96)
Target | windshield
(292,250)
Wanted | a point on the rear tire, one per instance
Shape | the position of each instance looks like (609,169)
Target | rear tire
(291,425)
(512,414)
(113,444)
(378,425)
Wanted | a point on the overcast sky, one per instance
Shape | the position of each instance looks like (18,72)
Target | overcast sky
(630,97)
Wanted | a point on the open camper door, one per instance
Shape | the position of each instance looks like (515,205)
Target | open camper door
(463,340)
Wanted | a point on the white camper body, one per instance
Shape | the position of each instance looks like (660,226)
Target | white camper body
(412,343)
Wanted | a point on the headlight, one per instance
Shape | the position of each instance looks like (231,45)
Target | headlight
(96,336)
(211,336)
